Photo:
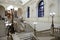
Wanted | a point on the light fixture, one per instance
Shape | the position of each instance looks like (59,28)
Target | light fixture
(52,25)
(52,14)
(34,22)
(35,28)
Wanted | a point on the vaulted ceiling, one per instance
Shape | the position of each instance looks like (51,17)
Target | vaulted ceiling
(21,2)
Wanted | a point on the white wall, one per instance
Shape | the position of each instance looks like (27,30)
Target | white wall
(43,22)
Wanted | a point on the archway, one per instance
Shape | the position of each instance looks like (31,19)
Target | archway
(20,12)
(2,11)
(2,27)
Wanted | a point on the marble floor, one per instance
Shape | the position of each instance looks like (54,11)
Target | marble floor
(26,36)
(45,38)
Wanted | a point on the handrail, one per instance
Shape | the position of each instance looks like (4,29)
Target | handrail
(57,32)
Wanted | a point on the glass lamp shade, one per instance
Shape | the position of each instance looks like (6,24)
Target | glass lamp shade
(34,22)
(52,14)
(25,21)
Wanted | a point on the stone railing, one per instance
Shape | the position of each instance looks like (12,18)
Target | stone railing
(56,32)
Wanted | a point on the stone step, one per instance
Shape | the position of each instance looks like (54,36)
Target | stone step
(43,34)
(23,36)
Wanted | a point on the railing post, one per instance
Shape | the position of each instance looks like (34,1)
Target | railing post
(52,25)
(35,29)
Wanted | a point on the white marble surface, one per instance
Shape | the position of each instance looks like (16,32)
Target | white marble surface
(40,26)
(45,38)
(21,36)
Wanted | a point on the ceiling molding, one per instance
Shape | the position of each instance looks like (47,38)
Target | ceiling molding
(16,2)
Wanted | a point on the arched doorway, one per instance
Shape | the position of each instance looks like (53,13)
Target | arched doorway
(2,27)
(2,11)
(20,12)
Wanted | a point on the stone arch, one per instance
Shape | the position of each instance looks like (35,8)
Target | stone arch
(2,25)
(20,12)
(2,11)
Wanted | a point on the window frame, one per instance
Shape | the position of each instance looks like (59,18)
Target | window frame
(40,9)
(28,12)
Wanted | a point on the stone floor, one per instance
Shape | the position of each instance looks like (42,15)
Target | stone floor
(26,36)
(45,38)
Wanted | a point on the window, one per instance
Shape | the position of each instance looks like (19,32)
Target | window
(28,12)
(41,9)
